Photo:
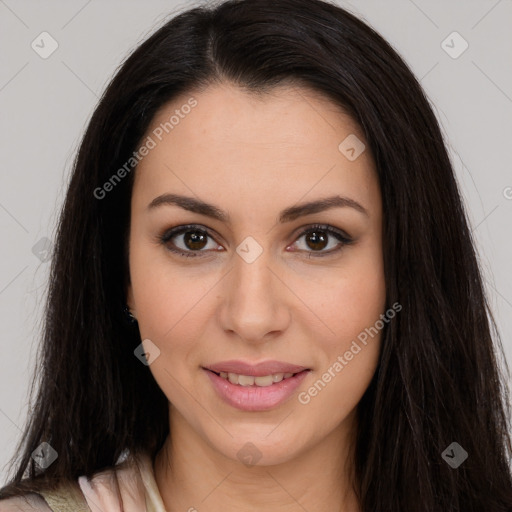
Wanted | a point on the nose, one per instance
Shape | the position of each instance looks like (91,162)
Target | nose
(254,304)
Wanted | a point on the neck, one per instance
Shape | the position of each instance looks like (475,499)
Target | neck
(193,476)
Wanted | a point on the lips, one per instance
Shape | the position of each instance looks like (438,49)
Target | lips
(261,396)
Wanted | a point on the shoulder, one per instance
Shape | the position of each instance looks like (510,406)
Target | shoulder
(29,502)
(122,484)
(66,497)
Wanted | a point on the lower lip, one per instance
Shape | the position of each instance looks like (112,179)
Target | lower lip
(255,398)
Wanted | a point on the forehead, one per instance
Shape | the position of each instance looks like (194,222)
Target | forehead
(281,144)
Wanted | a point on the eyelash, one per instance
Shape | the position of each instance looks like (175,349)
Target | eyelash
(343,238)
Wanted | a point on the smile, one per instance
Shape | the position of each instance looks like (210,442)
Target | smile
(255,393)
(249,380)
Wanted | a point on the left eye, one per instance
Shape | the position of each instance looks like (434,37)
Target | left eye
(319,238)
(192,239)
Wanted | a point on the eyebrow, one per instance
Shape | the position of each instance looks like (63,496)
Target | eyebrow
(287,215)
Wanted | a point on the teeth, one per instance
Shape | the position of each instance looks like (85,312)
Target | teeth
(244,380)
(266,380)
(249,380)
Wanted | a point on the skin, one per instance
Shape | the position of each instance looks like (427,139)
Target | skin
(253,156)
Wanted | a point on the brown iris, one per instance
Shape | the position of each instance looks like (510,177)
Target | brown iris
(195,239)
(316,240)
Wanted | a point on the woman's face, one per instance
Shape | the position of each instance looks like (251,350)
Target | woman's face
(242,284)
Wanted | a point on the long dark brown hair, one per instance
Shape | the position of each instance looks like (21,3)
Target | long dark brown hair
(440,378)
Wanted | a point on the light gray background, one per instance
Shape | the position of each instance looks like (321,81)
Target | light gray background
(45,104)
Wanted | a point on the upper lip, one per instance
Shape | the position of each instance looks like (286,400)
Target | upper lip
(255,369)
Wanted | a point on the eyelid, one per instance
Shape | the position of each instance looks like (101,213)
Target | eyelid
(178,230)
(306,228)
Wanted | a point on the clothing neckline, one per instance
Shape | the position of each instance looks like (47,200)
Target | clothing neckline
(154,500)
(129,486)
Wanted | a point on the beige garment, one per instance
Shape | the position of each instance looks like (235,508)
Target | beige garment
(132,488)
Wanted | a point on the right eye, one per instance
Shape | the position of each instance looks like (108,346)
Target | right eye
(187,240)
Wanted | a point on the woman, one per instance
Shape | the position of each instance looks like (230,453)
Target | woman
(264,292)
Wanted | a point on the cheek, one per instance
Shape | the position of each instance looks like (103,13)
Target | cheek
(349,359)
(349,299)
(356,301)
(167,298)
(169,311)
